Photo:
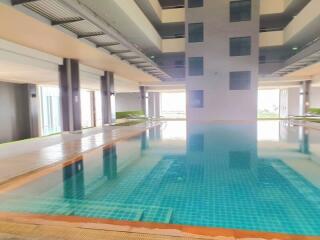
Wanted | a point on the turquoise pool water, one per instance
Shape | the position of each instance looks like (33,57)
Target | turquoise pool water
(263,177)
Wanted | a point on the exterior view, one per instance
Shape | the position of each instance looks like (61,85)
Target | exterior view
(159,119)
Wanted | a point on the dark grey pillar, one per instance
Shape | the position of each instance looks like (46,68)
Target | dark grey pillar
(144,100)
(33,105)
(70,95)
(304,97)
(108,98)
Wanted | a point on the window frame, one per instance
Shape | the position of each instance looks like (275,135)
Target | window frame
(234,19)
(196,6)
(245,87)
(193,38)
(239,54)
(198,72)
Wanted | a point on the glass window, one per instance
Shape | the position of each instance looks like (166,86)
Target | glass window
(195,32)
(240,46)
(98,108)
(50,110)
(195,3)
(240,80)
(196,99)
(86,109)
(195,66)
(240,10)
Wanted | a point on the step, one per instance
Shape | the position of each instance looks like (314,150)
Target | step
(73,207)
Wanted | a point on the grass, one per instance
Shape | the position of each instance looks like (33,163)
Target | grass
(129,123)
(268,115)
(128,114)
(315,111)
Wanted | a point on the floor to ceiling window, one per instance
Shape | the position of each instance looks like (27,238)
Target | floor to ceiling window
(268,103)
(50,110)
(173,105)
(87,108)
(98,112)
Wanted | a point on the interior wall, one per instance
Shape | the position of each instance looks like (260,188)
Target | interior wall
(14,116)
(127,102)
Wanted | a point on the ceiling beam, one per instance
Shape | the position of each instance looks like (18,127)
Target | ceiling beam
(18,2)
(130,57)
(136,63)
(110,44)
(54,23)
(91,35)
(119,52)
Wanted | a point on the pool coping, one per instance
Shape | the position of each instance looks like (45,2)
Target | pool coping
(165,229)
(170,230)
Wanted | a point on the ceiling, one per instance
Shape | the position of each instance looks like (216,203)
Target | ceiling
(27,31)
(48,74)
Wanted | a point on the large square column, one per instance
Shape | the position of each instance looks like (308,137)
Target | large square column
(222,60)
(70,95)
(144,100)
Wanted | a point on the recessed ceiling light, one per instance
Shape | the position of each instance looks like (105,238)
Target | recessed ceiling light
(152,57)
(295,48)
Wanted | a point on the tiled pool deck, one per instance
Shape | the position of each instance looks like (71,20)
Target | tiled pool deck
(45,154)
(22,157)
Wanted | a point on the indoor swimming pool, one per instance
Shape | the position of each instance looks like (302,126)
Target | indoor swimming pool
(260,177)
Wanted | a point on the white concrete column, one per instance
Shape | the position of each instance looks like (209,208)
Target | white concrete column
(157,105)
(154,104)
(304,99)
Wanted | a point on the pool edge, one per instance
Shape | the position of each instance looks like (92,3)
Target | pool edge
(170,230)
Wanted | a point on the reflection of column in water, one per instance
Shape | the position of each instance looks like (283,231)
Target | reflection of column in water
(304,140)
(110,162)
(155,133)
(73,180)
(144,141)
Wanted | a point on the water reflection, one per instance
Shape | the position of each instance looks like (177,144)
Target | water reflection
(221,175)
(304,140)
(73,179)
(110,162)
